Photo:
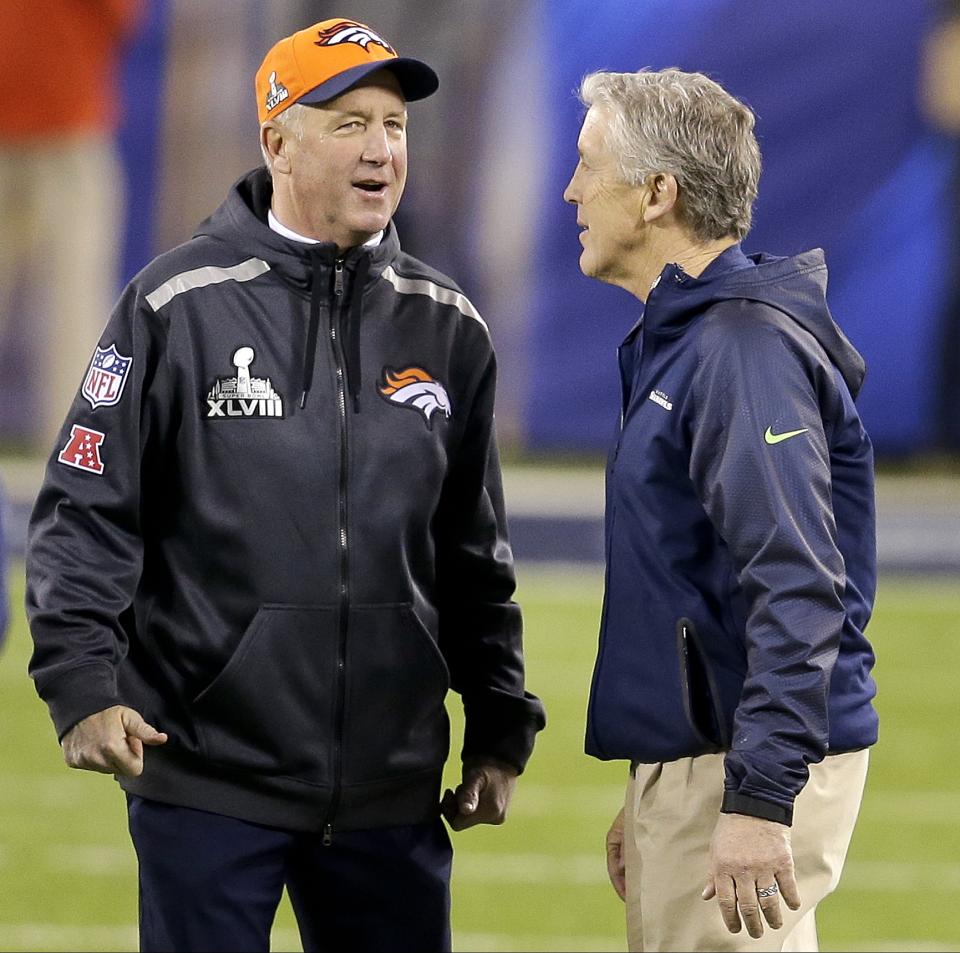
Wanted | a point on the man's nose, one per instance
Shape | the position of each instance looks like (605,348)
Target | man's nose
(376,148)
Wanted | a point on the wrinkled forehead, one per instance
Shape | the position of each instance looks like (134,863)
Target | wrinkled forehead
(594,129)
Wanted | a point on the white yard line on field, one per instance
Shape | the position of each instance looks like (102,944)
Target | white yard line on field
(97,859)
(904,807)
(24,937)
(54,936)
(897,876)
(586,869)
(577,869)
(543,800)
(507,943)
(903,946)
(581,869)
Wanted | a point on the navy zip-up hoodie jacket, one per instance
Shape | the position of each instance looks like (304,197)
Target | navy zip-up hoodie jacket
(741,553)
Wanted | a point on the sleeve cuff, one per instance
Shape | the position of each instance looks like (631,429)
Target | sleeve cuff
(502,727)
(79,692)
(734,803)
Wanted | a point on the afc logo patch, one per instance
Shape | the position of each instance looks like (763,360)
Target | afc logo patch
(83,450)
(103,385)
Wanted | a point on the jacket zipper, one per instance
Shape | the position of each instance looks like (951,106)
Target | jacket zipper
(625,399)
(344,558)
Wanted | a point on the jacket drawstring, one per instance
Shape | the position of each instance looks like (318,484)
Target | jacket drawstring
(313,328)
(351,335)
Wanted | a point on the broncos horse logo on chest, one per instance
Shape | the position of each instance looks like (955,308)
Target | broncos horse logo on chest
(417,389)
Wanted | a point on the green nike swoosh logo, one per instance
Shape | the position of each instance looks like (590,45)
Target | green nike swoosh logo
(772,437)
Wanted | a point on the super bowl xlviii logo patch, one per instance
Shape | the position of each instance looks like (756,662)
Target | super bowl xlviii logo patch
(278,92)
(83,450)
(243,395)
(417,389)
(103,385)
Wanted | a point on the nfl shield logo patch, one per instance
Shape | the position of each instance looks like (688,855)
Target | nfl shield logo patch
(103,385)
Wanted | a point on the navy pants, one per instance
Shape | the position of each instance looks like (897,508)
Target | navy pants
(211,883)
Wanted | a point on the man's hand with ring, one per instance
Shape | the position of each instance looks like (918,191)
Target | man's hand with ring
(751,865)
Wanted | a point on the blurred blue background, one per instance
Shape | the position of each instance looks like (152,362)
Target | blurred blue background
(852,163)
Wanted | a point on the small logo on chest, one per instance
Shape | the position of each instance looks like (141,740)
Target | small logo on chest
(416,389)
(659,397)
(243,395)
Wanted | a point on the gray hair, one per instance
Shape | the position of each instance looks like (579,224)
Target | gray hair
(686,125)
(291,122)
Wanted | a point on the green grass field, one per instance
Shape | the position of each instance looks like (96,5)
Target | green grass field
(68,875)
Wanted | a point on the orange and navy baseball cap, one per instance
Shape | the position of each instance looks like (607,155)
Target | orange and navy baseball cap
(326,59)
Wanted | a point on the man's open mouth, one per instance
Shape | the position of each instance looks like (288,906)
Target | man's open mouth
(370,186)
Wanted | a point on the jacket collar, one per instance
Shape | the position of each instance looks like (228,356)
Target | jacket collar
(242,221)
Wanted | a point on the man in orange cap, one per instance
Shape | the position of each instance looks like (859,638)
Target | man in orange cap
(276,533)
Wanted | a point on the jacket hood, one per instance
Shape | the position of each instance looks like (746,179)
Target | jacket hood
(241,221)
(797,286)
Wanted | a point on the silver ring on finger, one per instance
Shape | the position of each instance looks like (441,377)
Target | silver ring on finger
(764,892)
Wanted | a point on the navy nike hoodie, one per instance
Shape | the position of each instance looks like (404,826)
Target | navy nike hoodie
(740,540)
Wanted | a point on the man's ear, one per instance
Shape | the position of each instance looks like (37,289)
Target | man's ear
(662,190)
(275,141)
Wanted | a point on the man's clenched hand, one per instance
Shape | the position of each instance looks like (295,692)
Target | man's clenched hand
(482,797)
(110,741)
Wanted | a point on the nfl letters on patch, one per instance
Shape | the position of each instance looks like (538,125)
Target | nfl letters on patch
(103,385)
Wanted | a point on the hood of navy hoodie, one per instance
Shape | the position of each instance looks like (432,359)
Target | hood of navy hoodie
(796,286)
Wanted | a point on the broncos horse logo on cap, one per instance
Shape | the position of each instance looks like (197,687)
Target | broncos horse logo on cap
(417,389)
(347,31)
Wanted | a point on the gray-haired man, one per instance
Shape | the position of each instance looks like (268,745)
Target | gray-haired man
(733,672)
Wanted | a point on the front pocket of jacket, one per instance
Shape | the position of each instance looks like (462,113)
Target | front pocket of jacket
(700,697)
(270,709)
(395,722)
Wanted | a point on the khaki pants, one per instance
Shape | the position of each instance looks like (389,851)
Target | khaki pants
(61,207)
(670,813)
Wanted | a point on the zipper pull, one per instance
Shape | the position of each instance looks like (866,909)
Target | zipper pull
(338,278)
(327,835)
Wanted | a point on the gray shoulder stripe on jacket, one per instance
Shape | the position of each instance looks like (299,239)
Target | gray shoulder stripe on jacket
(423,286)
(201,277)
